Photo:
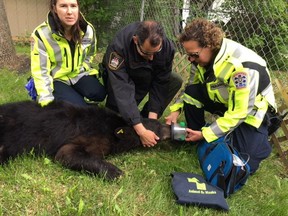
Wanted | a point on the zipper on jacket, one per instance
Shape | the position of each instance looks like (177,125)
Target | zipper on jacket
(72,69)
(78,55)
(233,100)
(66,57)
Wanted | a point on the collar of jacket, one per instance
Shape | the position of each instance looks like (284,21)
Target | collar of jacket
(223,53)
(52,24)
(227,59)
(228,49)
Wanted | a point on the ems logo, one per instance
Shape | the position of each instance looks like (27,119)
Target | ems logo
(201,187)
(240,80)
(115,61)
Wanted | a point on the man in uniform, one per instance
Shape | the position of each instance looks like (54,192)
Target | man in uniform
(139,62)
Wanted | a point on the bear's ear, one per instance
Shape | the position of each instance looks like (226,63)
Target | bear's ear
(125,133)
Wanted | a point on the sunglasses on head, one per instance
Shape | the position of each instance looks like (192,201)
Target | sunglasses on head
(148,53)
(195,54)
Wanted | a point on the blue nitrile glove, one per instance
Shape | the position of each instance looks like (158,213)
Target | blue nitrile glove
(30,86)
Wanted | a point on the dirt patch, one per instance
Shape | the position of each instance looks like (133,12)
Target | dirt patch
(21,64)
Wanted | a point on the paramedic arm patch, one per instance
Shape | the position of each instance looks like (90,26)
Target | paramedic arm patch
(240,80)
(115,61)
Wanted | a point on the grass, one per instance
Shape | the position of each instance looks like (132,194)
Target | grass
(32,185)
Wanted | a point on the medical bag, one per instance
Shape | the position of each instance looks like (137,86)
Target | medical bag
(222,165)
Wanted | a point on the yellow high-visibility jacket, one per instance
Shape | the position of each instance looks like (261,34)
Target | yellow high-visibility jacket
(53,59)
(241,82)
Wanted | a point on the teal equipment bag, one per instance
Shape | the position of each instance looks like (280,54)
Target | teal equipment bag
(222,165)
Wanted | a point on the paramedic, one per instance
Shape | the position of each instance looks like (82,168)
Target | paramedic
(63,48)
(231,81)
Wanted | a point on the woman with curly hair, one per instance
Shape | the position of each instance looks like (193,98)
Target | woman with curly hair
(231,81)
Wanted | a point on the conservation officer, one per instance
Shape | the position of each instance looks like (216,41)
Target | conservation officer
(139,62)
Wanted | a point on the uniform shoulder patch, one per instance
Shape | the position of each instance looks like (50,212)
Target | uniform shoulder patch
(115,61)
(240,80)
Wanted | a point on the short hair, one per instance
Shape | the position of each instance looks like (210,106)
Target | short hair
(151,30)
(205,32)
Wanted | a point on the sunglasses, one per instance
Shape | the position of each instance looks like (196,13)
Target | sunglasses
(147,53)
(195,54)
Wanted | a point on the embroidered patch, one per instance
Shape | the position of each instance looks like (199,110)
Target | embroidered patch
(115,61)
(240,80)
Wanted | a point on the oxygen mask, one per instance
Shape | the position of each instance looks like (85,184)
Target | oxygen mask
(178,131)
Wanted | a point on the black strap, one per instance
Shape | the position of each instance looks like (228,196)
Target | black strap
(207,152)
(264,79)
(221,181)
(220,177)
(232,180)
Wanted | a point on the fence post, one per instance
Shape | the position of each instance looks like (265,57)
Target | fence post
(142,10)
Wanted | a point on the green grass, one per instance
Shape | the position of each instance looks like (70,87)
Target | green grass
(12,87)
(32,185)
(23,49)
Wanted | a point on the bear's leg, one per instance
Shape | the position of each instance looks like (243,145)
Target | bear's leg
(75,157)
(3,156)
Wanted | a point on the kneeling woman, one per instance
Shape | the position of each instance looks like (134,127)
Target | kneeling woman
(63,48)
(231,81)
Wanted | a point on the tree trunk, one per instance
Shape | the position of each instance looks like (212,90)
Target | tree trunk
(7,51)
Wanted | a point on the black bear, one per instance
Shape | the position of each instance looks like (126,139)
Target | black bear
(77,137)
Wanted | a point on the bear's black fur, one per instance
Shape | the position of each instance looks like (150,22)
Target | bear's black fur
(77,137)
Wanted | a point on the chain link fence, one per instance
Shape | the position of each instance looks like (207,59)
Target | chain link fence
(259,25)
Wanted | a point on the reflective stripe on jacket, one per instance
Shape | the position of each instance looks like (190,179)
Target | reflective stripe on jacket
(52,57)
(246,98)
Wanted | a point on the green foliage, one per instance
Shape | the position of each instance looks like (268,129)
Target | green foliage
(12,86)
(23,48)
(109,16)
(261,26)
(168,12)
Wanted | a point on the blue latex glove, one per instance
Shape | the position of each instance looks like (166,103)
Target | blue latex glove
(30,86)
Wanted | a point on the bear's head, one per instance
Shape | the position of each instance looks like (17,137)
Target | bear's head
(128,138)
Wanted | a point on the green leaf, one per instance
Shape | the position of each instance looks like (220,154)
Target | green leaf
(26,176)
(80,207)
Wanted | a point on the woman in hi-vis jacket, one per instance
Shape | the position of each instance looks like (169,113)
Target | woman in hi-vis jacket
(63,48)
(231,81)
